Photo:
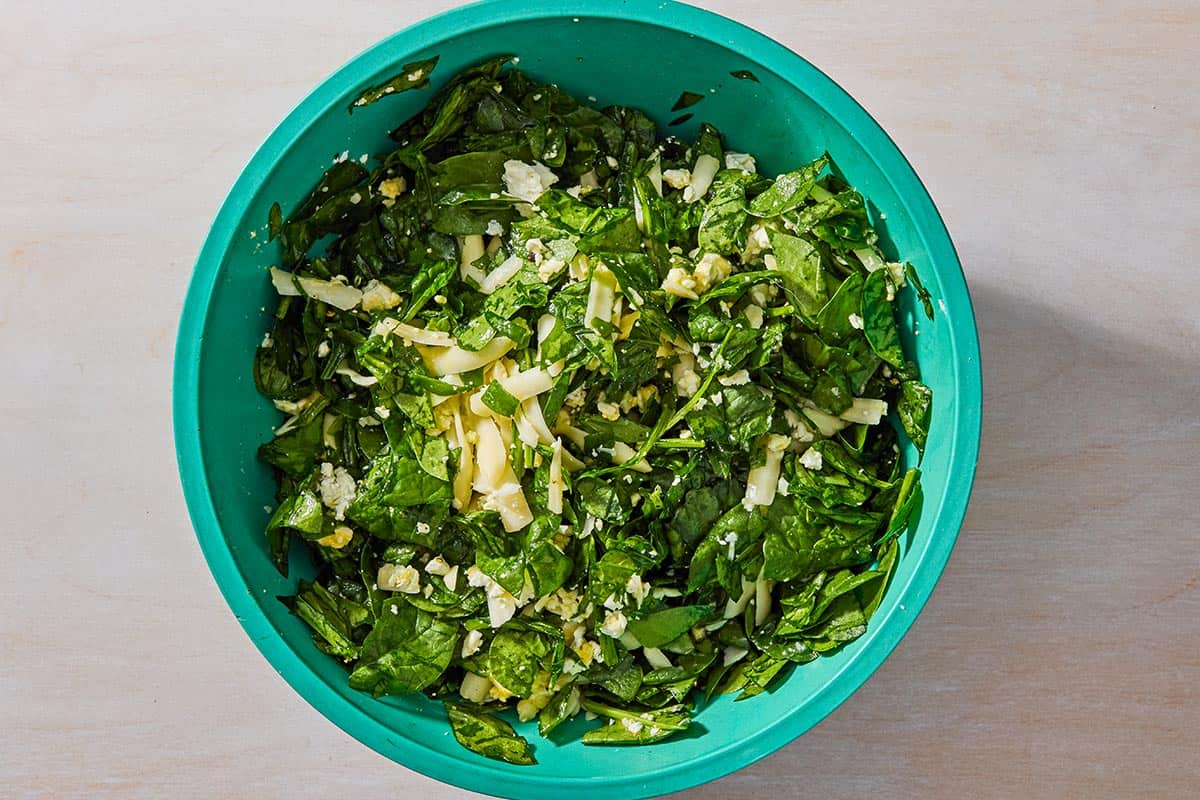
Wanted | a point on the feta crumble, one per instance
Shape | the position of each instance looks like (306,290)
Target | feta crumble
(677,178)
(379,297)
(742,161)
(471,643)
(337,489)
(527,181)
(614,624)
(396,578)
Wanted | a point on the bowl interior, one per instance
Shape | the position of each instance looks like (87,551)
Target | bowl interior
(789,115)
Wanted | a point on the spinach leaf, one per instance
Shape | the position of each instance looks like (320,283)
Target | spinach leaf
(412,76)
(916,400)
(301,512)
(296,451)
(514,659)
(485,734)
(922,292)
(879,318)
(664,626)
(723,225)
(803,276)
(406,651)
(804,543)
(333,618)
(789,190)
(634,726)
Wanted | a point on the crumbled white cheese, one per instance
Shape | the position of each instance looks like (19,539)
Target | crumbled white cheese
(527,181)
(494,228)
(631,725)
(471,644)
(800,432)
(763,294)
(436,565)
(739,378)
(563,602)
(323,349)
(337,489)
(683,374)
(501,604)
(811,459)
(610,411)
(783,487)
(742,161)
(392,188)
(754,315)
(757,243)
(614,624)
(612,162)
(549,268)
(677,178)
(856,322)
(536,249)
(711,270)
(398,578)
(680,283)
(267,342)
(576,397)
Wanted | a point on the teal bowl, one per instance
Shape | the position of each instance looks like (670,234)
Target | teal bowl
(635,52)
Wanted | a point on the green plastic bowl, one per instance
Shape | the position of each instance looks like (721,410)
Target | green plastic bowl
(636,52)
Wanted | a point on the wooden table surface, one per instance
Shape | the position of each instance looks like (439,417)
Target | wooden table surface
(1059,655)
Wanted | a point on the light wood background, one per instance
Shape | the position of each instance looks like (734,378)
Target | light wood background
(1059,656)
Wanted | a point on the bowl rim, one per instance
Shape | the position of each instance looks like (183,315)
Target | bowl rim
(880,639)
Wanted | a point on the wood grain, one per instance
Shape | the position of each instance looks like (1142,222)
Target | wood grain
(1059,656)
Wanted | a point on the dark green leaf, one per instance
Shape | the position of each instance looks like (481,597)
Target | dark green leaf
(916,400)
(789,190)
(664,626)
(803,276)
(879,318)
(412,76)
(406,651)
(482,733)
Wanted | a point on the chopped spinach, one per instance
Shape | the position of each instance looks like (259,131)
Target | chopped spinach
(579,418)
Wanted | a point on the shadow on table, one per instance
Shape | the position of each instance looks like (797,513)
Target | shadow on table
(1087,432)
